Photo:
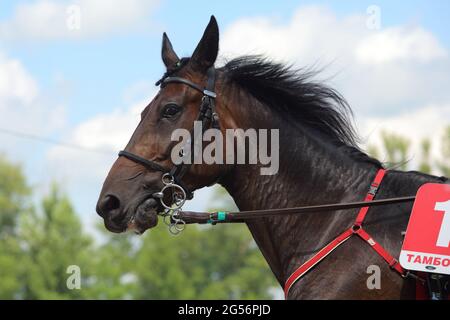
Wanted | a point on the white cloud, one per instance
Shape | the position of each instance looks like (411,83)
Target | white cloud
(385,71)
(109,131)
(82,172)
(311,34)
(106,133)
(315,32)
(51,19)
(24,108)
(399,44)
(15,82)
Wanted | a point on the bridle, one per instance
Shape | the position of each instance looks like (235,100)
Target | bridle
(177,219)
(172,178)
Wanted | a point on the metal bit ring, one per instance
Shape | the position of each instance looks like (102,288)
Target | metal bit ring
(179,201)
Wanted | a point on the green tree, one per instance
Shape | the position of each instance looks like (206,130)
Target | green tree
(444,164)
(425,164)
(396,147)
(203,262)
(219,262)
(11,267)
(113,266)
(14,193)
(52,240)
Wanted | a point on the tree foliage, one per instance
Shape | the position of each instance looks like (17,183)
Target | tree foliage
(220,262)
(444,163)
(397,148)
(39,242)
(14,194)
(52,240)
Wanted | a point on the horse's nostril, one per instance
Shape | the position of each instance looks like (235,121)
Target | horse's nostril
(112,203)
(109,205)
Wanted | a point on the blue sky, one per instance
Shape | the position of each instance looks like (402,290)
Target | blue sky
(98,75)
(99,69)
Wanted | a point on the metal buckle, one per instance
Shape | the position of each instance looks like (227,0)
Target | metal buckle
(409,274)
(209,93)
(393,263)
(373,189)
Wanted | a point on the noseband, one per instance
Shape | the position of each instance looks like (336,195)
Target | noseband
(172,178)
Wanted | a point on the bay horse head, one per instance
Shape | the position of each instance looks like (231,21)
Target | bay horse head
(131,194)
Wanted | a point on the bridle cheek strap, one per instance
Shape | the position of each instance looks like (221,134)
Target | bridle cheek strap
(207,113)
(355,229)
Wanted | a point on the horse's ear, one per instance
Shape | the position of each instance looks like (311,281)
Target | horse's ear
(206,52)
(168,55)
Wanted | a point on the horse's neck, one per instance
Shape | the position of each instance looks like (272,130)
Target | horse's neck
(309,174)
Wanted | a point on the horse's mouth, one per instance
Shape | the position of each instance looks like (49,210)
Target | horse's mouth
(145,216)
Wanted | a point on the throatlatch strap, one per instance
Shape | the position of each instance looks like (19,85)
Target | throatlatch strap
(355,229)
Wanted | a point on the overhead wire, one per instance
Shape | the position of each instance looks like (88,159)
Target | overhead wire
(43,139)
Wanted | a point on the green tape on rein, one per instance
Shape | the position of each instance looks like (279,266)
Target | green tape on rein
(221,216)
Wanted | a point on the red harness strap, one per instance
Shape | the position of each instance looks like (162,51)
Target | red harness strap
(355,229)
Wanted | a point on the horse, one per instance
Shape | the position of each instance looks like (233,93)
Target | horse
(319,162)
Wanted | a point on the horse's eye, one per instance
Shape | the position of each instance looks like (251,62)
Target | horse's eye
(170,110)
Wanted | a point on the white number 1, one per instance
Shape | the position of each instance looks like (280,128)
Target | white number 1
(444,233)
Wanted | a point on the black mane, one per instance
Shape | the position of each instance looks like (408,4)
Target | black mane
(294,95)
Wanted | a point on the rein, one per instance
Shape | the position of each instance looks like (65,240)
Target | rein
(191,217)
